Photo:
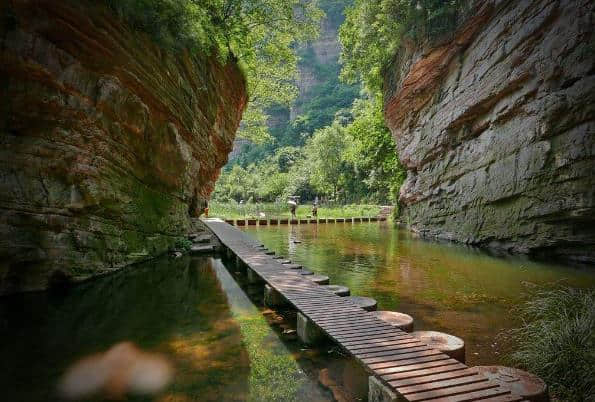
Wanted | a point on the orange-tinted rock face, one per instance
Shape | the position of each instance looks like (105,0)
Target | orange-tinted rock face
(496,128)
(108,143)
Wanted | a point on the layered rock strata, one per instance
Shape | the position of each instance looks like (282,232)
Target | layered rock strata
(496,129)
(109,144)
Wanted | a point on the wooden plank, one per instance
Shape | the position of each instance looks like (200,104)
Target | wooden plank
(357,338)
(357,316)
(359,327)
(373,341)
(362,334)
(451,382)
(504,398)
(345,327)
(413,367)
(404,363)
(432,377)
(387,350)
(379,345)
(471,395)
(401,356)
(390,375)
(339,319)
(452,391)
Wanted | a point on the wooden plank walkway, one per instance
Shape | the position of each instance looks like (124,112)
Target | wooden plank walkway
(408,367)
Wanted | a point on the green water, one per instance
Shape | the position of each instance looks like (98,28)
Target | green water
(444,286)
(190,310)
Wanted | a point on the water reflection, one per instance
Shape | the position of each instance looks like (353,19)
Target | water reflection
(189,311)
(444,286)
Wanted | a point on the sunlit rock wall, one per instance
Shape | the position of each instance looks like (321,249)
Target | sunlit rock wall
(109,144)
(496,129)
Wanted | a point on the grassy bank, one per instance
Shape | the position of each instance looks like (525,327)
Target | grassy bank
(557,341)
(281,210)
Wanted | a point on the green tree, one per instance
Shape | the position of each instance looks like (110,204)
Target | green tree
(260,35)
(373,31)
(372,151)
(325,158)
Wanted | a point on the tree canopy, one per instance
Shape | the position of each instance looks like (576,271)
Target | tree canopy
(374,29)
(261,35)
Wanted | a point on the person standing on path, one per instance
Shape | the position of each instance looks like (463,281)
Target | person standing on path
(292,207)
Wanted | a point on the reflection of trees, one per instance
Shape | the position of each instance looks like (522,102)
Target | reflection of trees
(174,306)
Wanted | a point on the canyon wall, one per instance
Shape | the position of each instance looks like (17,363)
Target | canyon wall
(110,145)
(496,129)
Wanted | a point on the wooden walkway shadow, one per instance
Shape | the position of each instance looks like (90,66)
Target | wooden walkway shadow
(404,368)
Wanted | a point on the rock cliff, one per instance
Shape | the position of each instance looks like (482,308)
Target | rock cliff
(496,129)
(109,144)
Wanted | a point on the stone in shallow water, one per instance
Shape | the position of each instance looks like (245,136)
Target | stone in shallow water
(319,279)
(525,384)
(400,320)
(293,266)
(338,290)
(367,303)
(448,344)
(305,272)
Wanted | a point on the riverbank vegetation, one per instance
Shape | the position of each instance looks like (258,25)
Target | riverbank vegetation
(557,341)
(351,160)
(234,210)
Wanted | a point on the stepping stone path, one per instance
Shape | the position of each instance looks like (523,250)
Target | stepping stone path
(520,382)
(367,303)
(399,320)
(447,344)
(402,367)
(338,290)
(319,279)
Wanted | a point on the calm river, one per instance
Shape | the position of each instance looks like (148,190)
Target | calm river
(221,344)
(443,286)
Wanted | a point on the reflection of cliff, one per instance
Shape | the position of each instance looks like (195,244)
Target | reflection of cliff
(176,307)
(109,142)
(496,129)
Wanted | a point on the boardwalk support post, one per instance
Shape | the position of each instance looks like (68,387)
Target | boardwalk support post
(272,298)
(307,331)
(253,277)
(378,392)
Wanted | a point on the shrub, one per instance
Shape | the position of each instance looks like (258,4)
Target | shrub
(557,341)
